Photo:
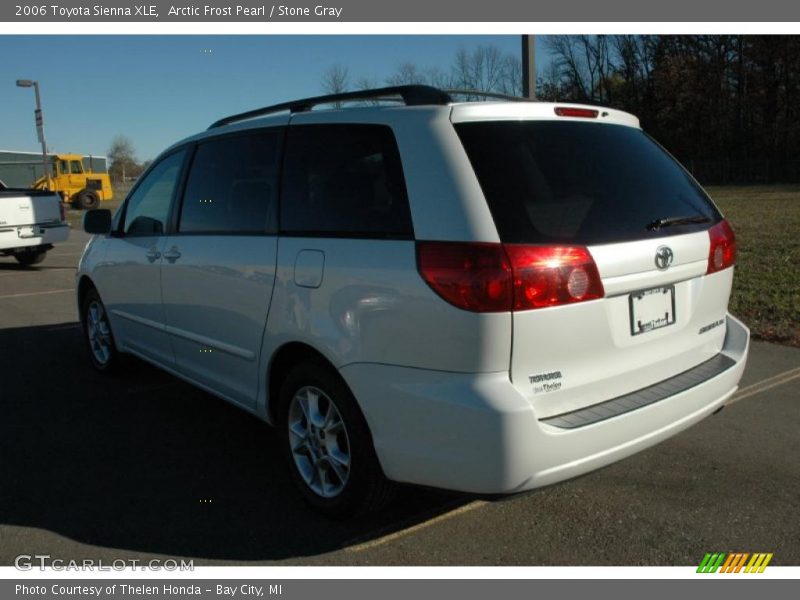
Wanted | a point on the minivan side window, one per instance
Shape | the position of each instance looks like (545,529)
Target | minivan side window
(344,180)
(232,185)
(147,209)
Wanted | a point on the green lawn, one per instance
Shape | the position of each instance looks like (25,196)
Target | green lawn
(766,287)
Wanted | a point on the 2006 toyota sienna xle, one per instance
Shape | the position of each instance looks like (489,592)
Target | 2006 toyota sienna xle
(480,296)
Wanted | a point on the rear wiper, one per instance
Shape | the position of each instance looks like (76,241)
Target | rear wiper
(659,223)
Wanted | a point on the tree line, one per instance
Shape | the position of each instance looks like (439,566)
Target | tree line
(485,68)
(724,99)
(725,105)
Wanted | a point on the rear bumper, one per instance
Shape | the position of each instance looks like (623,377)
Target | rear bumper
(12,238)
(477,433)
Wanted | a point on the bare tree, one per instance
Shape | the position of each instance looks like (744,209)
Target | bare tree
(439,78)
(410,74)
(122,157)
(586,66)
(407,74)
(336,80)
(635,60)
(487,69)
(549,84)
(367,83)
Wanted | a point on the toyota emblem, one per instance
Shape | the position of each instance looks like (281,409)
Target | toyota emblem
(664,258)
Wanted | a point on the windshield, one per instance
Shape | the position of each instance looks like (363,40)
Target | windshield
(583,183)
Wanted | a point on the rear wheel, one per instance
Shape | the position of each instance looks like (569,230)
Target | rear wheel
(28,258)
(87,199)
(328,444)
(97,333)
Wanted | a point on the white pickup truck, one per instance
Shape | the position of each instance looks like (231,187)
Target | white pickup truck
(31,221)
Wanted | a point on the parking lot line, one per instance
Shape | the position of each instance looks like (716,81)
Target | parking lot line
(36,293)
(360,547)
(765,384)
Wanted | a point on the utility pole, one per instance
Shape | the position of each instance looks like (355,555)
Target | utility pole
(529,66)
(26,83)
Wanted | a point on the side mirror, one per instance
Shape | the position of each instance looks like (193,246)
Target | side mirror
(97,221)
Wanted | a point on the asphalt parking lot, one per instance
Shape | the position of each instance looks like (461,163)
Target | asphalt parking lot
(144,466)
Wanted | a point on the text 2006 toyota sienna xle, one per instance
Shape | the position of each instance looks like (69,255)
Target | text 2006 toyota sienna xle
(484,296)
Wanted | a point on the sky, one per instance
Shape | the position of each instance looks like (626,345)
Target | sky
(156,90)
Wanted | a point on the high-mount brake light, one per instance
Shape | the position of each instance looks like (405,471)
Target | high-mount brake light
(487,277)
(571,111)
(722,248)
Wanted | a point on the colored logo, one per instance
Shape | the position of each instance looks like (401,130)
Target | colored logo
(734,562)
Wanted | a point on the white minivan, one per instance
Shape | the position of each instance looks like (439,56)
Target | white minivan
(480,296)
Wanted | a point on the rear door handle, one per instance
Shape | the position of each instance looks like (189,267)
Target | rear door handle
(172,254)
(153,254)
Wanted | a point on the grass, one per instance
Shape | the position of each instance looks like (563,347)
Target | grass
(766,286)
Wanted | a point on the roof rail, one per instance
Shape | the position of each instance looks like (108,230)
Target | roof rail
(480,94)
(412,95)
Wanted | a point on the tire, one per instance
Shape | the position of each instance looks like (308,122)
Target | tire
(30,257)
(97,334)
(332,464)
(87,199)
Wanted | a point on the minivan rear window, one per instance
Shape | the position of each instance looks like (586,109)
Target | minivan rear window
(577,182)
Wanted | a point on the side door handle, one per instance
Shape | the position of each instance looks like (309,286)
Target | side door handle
(172,254)
(153,254)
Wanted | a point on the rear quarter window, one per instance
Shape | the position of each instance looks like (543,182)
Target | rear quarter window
(344,180)
(577,182)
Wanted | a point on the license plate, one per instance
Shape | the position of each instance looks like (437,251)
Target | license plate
(28,232)
(652,309)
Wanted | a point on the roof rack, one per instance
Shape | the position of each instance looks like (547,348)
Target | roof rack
(412,95)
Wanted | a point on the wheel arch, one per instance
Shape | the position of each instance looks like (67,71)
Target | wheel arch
(284,358)
(84,285)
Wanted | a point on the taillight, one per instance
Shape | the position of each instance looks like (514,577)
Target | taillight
(570,111)
(484,277)
(552,275)
(472,276)
(722,250)
(62,211)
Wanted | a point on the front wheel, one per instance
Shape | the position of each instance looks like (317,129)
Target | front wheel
(97,333)
(328,444)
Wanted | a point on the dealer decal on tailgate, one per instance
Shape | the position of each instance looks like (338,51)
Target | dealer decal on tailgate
(545,382)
